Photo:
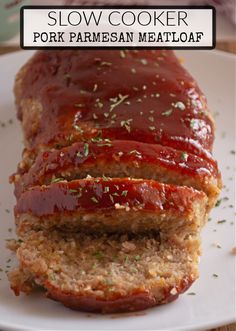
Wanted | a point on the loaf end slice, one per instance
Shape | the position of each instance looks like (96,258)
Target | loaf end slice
(108,273)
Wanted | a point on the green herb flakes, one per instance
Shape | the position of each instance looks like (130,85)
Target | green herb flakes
(167,113)
(180,105)
(184,156)
(126,124)
(86,149)
(94,200)
(56,180)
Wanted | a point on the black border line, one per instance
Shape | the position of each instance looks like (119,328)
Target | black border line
(117,47)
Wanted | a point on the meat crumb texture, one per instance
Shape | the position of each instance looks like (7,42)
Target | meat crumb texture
(116,180)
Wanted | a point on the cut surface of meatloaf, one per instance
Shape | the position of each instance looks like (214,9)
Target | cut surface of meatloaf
(118,159)
(147,96)
(111,205)
(106,273)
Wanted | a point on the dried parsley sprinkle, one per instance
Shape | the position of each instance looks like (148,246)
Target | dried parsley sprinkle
(180,105)
(215,275)
(78,128)
(126,258)
(144,61)
(134,270)
(99,104)
(106,189)
(111,198)
(79,195)
(56,180)
(79,105)
(167,113)
(193,123)
(124,193)
(117,101)
(134,151)
(122,54)
(52,277)
(95,87)
(151,128)
(184,156)
(104,63)
(94,200)
(191,293)
(7,211)
(218,202)
(70,138)
(67,76)
(126,124)
(86,149)
(221,221)
(98,254)
(233,152)
(105,178)
(137,258)
(73,191)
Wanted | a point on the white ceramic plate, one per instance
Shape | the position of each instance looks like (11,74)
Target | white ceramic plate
(214,301)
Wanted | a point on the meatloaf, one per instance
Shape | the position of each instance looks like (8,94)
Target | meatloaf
(107,273)
(118,159)
(116,180)
(111,205)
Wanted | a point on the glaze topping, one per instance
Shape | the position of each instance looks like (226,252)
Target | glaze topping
(141,95)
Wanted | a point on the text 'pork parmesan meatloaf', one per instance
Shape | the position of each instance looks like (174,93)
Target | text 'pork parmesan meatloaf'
(116,179)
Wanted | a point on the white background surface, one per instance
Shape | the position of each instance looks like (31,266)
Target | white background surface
(214,302)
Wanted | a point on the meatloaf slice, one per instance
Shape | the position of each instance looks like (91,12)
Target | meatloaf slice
(116,273)
(119,159)
(111,205)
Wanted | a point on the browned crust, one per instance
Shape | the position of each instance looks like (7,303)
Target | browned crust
(134,302)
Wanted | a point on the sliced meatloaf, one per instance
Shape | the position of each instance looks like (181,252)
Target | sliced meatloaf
(107,274)
(117,178)
(119,159)
(111,205)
